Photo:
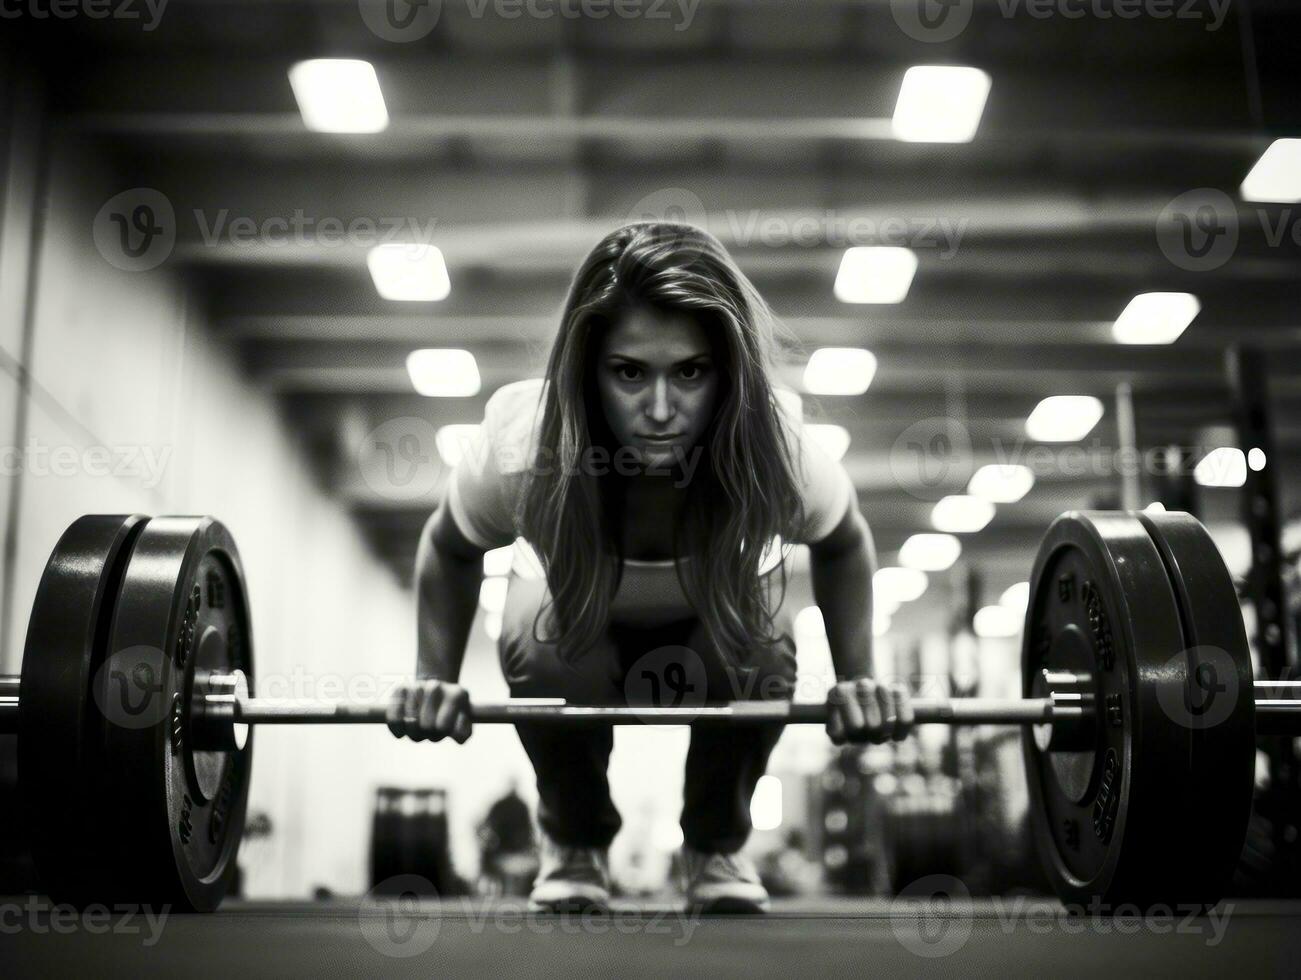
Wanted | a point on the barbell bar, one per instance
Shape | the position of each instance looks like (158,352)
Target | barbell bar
(1277,714)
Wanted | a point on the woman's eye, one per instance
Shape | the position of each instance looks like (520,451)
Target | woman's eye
(627,372)
(693,372)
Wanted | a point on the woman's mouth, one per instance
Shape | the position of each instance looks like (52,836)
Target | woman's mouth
(661,440)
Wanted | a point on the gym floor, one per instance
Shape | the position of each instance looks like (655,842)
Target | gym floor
(808,937)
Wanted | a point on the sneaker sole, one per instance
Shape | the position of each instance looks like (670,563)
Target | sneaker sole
(730,905)
(574,905)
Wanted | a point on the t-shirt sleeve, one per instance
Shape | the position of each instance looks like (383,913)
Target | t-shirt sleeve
(825,487)
(481,489)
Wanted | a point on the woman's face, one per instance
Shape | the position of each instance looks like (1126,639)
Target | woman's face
(658,384)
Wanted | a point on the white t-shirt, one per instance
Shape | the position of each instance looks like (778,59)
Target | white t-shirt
(485,489)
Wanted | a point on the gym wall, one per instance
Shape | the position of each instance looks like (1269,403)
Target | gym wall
(97,357)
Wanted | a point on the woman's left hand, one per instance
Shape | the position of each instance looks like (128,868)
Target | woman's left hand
(862,710)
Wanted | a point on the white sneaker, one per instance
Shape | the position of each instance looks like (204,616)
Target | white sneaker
(570,879)
(723,883)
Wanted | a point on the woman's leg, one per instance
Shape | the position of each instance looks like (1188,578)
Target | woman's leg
(574,806)
(725,762)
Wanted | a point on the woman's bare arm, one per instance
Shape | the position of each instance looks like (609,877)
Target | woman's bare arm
(842,564)
(449,572)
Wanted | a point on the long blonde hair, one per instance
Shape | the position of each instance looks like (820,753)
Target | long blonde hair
(745,490)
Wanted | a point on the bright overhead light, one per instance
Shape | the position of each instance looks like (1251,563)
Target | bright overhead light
(441,372)
(875,274)
(930,552)
(839,371)
(1063,418)
(1156,318)
(498,561)
(896,585)
(409,273)
(960,514)
(940,104)
(1001,484)
(1256,459)
(339,95)
(1276,175)
(1223,467)
(453,440)
(492,594)
(1016,597)
(996,622)
(834,439)
(766,803)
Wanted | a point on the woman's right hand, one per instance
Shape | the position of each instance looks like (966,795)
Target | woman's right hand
(429,709)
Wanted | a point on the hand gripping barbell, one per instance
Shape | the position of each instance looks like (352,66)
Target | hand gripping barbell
(1140,712)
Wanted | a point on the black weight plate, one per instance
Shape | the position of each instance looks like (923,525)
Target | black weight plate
(60,731)
(1101,603)
(179,813)
(1219,706)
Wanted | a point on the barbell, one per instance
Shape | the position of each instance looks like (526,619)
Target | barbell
(1140,712)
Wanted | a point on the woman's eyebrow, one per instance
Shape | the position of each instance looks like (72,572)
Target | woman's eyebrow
(629,359)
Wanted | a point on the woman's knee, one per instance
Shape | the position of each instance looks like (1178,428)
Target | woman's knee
(534,668)
(766,672)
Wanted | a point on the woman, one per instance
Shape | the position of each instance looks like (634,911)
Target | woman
(650,470)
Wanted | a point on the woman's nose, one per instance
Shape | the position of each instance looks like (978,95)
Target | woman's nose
(661,405)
